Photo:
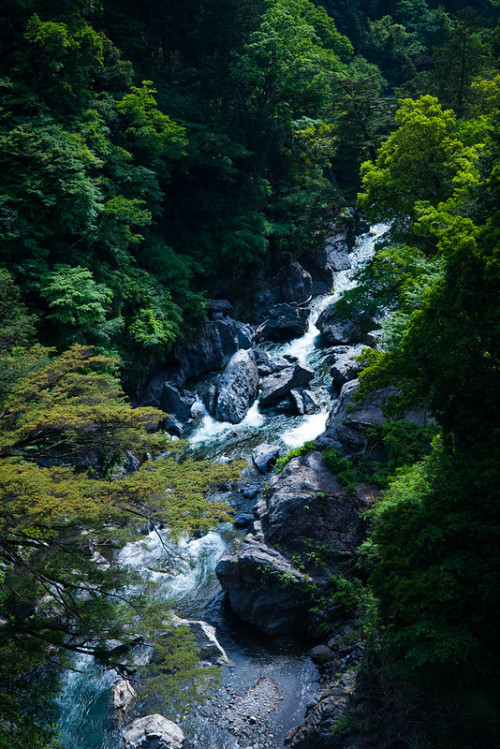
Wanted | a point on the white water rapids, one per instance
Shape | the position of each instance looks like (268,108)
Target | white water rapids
(191,585)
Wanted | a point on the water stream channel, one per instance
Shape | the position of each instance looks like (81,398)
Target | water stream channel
(264,693)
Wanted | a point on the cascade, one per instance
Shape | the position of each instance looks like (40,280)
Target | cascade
(274,677)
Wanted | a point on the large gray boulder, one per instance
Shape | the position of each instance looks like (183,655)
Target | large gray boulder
(349,422)
(237,388)
(346,367)
(265,456)
(336,330)
(210,649)
(153,732)
(316,730)
(264,588)
(122,694)
(175,403)
(307,503)
(279,385)
(286,321)
(217,341)
(292,284)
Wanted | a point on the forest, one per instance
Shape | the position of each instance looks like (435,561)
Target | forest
(155,156)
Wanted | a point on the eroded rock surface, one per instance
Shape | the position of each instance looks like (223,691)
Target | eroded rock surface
(279,385)
(264,588)
(153,732)
(237,388)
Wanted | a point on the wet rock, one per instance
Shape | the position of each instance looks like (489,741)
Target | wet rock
(209,398)
(219,308)
(211,651)
(153,732)
(175,404)
(306,500)
(321,269)
(316,730)
(336,330)
(320,654)
(217,342)
(265,456)
(237,388)
(286,321)
(277,386)
(243,520)
(122,694)
(267,364)
(251,491)
(345,367)
(348,423)
(292,284)
(264,588)
(303,401)
(173,426)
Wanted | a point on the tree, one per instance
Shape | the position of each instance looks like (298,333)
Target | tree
(66,429)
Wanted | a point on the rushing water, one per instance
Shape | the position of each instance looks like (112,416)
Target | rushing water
(270,678)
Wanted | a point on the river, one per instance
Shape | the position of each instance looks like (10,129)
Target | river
(265,691)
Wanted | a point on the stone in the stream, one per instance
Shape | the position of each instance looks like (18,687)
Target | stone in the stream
(265,456)
(122,694)
(210,649)
(279,385)
(264,588)
(238,387)
(303,401)
(153,732)
(175,403)
(286,321)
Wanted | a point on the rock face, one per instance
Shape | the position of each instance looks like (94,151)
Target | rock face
(316,728)
(175,404)
(238,387)
(321,269)
(122,694)
(211,651)
(306,501)
(264,588)
(292,284)
(337,331)
(278,386)
(265,456)
(215,344)
(286,321)
(348,424)
(153,732)
(345,367)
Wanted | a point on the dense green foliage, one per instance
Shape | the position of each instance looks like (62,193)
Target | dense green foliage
(154,154)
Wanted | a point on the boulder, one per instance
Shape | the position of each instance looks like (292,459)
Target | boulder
(279,385)
(265,456)
(216,309)
(267,364)
(173,426)
(217,341)
(303,401)
(211,651)
(153,732)
(175,404)
(316,730)
(349,423)
(122,694)
(264,588)
(336,330)
(292,284)
(307,501)
(237,388)
(321,269)
(286,321)
(243,520)
(209,398)
(345,367)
